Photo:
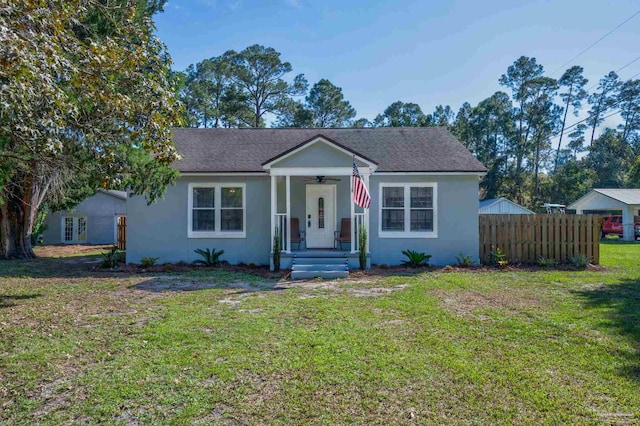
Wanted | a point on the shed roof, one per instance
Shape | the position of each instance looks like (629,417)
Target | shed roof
(118,194)
(485,204)
(624,196)
(395,149)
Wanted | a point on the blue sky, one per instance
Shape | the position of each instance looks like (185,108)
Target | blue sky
(427,52)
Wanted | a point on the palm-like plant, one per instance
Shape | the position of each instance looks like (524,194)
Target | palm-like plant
(415,259)
(209,257)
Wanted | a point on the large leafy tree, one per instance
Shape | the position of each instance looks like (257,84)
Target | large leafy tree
(259,73)
(86,101)
(572,82)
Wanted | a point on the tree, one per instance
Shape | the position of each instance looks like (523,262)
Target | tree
(602,101)
(573,82)
(295,114)
(258,73)
(328,106)
(400,114)
(362,122)
(211,97)
(86,98)
(610,159)
(629,103)
(442,116)
(518,78)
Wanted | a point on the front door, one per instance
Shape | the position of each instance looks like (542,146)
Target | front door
(321,216)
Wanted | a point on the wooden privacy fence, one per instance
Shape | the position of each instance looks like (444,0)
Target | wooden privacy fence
(526,238)
(122,232)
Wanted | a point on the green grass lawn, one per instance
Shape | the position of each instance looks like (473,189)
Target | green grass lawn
(522,347)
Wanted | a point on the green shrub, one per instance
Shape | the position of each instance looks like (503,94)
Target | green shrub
(579,261)
(277,248)
(547,262)
(383,266)
(112,258)
(168,267)
(498,258)
(415,259)
(209,257)
(148,262)
(362,247)
(465,261)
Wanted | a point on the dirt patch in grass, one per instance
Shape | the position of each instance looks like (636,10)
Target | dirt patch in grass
(465,304)
(70,250)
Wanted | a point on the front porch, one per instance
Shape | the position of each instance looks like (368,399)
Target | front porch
(312,204)
(314,217)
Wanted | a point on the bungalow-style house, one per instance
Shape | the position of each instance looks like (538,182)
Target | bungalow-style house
(501,206)
(93,221)
(239,188)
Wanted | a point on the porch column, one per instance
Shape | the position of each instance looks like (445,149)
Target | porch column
(366,211)
(288,199)
(353,216)
(274,208)
(628,233)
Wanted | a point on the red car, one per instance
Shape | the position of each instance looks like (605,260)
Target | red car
(613,225)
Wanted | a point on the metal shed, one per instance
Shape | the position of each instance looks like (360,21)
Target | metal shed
(502,206)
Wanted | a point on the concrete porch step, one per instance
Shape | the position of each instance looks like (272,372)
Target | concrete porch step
(319,261)
(320,267)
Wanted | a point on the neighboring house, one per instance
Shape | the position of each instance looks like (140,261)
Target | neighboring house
(502,206)
(93,221)
(607,199)
(238,187)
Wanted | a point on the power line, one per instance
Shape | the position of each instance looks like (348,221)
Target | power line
(617,71)
(596,42)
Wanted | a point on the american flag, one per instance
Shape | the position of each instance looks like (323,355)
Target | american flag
(360,192)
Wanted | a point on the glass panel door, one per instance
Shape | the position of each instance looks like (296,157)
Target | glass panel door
(68,229)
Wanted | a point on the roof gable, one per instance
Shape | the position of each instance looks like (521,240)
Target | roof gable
(319,151)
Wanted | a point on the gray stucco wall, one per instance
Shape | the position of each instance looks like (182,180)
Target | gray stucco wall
(100,210)
(457,222)
(160,230)
(320,154)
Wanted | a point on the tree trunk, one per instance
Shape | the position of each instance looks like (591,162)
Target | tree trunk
(564,122)
(17,215)
(15,230)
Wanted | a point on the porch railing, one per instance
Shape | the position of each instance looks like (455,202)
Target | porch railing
(281,224)
(358,221)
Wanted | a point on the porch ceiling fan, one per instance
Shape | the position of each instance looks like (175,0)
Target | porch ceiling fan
(321,179)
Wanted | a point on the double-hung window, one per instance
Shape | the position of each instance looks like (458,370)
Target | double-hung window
(408,210)
(217,210)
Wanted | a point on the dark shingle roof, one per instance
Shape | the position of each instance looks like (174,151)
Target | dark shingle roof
(395,149)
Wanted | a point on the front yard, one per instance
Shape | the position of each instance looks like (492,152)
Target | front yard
(225,347)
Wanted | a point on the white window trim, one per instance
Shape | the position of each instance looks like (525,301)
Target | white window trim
(218,200)
(407,233)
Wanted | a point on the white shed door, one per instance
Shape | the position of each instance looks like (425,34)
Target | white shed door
(74,229)
(321,216)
